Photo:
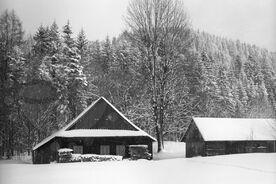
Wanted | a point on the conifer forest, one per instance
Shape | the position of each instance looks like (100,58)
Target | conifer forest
(158,76)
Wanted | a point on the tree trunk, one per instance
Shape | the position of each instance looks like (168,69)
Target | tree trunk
(29,139)
(12,138)
(161,111)
(154,103)
(4,110)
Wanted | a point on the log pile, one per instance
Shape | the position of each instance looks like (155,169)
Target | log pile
(64,155)
(139,152)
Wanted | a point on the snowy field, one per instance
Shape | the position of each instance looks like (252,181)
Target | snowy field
(256,168)
(172,150)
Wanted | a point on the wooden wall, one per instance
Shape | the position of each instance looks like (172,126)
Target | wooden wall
(233,147)
(102,116)
(194,142)
(46,153)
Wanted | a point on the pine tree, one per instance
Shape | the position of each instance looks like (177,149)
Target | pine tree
(11,38)
(42,46)
(107,55)
(193,71)
(242,95)
(269,78)
(238,67)
(55,38)
(209,87)
(96,54)
(76,82)
(95,64)
(67,35)
(76,79)
(226,101)
(82,43)
(254,74)
(65,72)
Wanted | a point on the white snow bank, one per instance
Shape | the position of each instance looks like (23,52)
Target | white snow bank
(263,162)
(230,169)
(171,150)
(11,161)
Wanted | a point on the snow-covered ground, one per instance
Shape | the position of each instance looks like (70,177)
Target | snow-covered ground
(256,168)
(171,150)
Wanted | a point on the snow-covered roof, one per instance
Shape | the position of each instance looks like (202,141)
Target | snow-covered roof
(65,129)
(100,133)
(236,129)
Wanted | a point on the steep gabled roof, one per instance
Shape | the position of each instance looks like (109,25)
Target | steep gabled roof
(65,132)
(236,129)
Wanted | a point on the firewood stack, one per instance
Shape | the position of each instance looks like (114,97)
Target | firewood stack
(139,152)
(65,155)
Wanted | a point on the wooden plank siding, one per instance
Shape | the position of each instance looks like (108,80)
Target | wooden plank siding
(234,147)
(194,142)
(102,116)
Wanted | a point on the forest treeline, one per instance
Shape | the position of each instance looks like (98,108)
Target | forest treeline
(48,78)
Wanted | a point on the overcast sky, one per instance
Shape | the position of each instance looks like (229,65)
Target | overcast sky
(252,21)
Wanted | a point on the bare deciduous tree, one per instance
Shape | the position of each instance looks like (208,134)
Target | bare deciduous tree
(160,29)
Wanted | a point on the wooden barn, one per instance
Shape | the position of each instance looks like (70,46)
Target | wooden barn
(99,129)
(219,136)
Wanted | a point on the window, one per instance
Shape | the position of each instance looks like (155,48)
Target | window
(120,150)
(105,150)
(78,149)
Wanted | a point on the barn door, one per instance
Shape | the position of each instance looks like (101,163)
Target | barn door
(78,149)
(120,150)
(105,150)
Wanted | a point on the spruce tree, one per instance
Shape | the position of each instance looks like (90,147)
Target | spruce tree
(42,46)
(76,82)
(55,38)
(75,77)
(107,55)
(67,35)
(11,61)
(269,77)
(226,98)
(209,87)
(82,43)
(238,67)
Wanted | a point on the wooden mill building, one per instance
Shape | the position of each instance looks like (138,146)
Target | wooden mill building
(99,129)
(219,136)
